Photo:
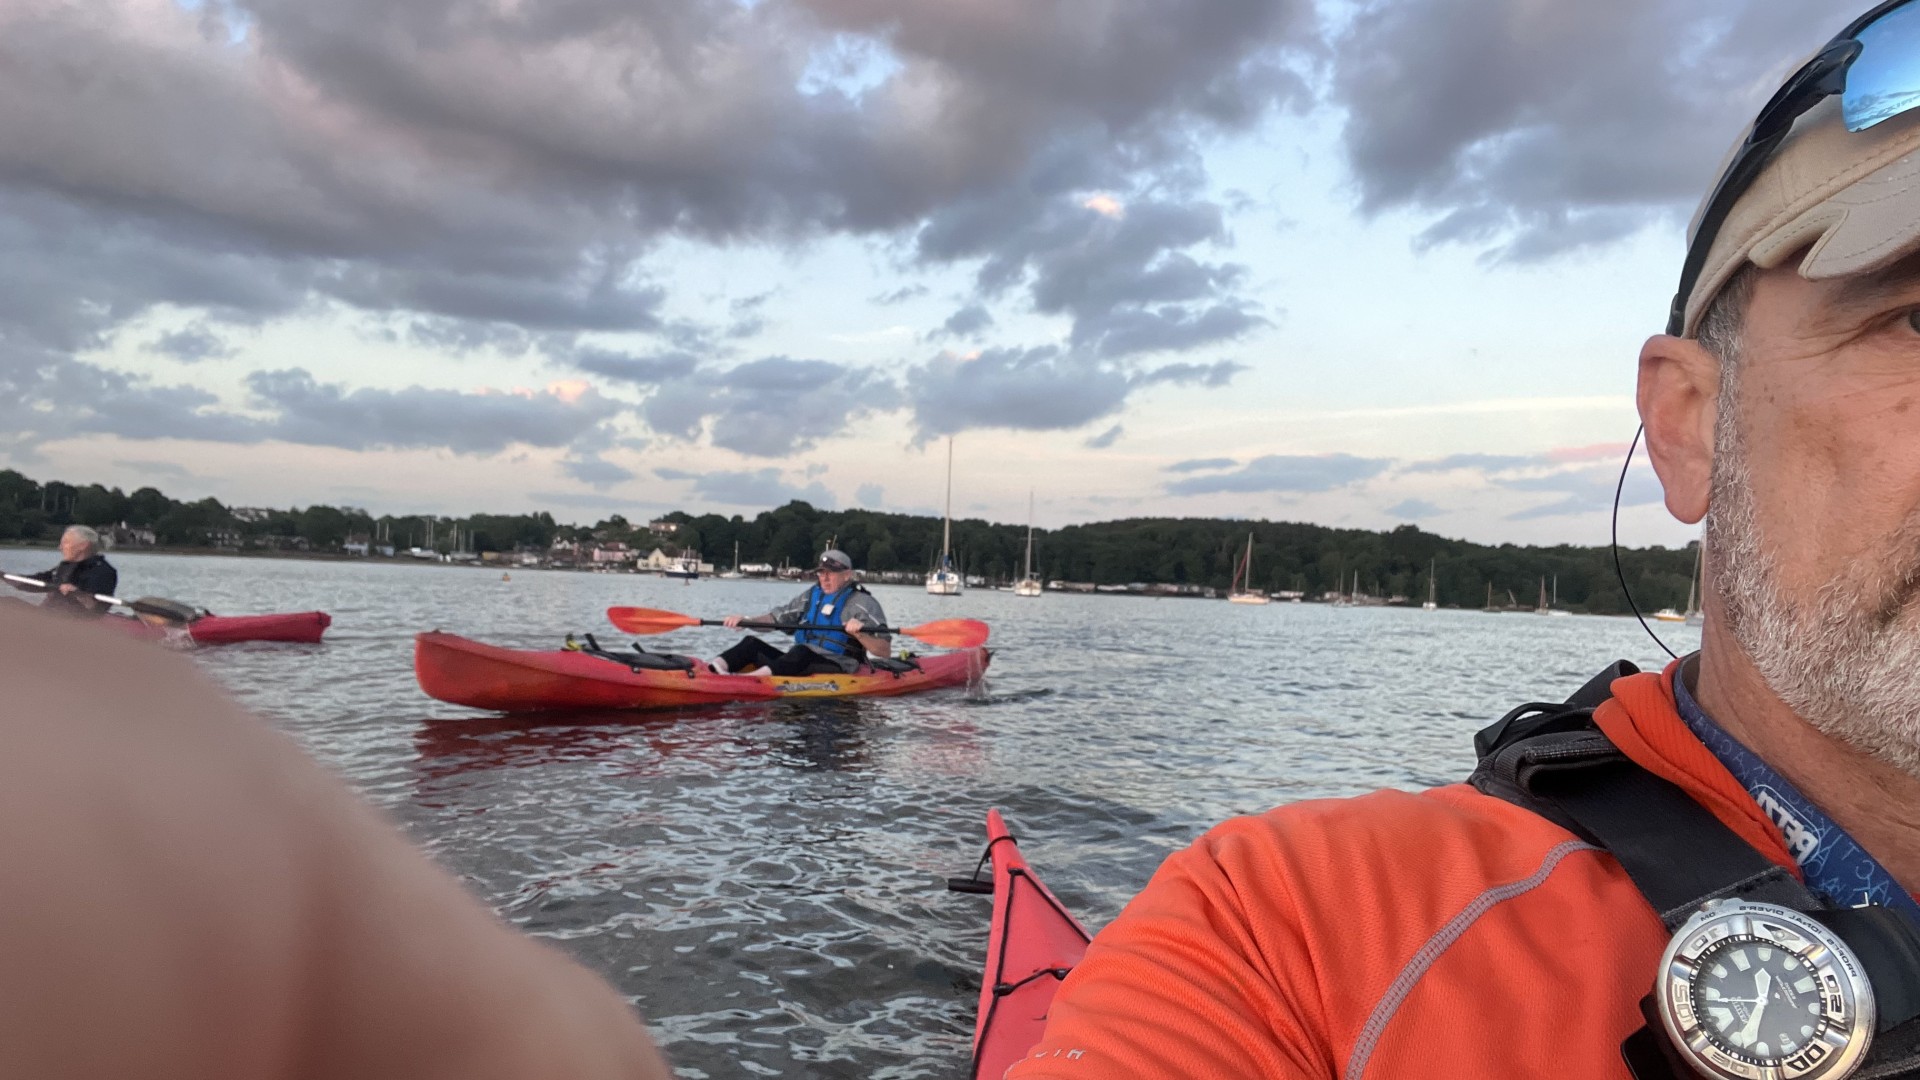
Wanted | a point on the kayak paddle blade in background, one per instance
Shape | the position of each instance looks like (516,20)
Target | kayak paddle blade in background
(949,633)
(639,620)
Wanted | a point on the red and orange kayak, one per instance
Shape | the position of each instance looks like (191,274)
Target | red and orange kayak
(294,626)
(1032,944)
(472,673)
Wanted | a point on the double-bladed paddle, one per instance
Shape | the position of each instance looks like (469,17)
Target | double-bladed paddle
(944,633)
(171,610)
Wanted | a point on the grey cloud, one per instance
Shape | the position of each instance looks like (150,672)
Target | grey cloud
(747,315)
(1037,389)
(900,295)
(1531,130)
(1169,328)
(969,322)
(1216,374)
(1285,473)
(1124,276)
(1413,509)
(1106,438)
(594,471)
(321,414)
(870,496)
(192,344)
(751,487)
(1202,465)
(1475,463)
(1585,491)
(771,407)
(649,370)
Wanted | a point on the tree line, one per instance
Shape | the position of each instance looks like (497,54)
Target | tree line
(1311,559)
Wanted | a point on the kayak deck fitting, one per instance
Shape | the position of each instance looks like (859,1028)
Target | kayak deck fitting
(1032,943)
(461,671)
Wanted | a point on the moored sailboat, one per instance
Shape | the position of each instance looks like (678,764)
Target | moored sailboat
(1028,585)
(1240,591)
(944,580)
(1433,589)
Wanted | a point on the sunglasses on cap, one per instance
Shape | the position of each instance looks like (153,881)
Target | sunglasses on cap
(1874,65)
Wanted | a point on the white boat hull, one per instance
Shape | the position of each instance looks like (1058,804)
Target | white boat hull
(943,584)
(1026,588)
(1248,598)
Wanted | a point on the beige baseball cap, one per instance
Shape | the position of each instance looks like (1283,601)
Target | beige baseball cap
(1850,200)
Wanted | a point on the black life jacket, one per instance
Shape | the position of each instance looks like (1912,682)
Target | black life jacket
(1553,760)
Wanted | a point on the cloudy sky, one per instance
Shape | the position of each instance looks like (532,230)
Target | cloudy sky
(1353,264)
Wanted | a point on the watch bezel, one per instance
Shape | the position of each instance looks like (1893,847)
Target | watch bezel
(1846,995)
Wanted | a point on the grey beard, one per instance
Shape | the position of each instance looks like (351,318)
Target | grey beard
(1846,659)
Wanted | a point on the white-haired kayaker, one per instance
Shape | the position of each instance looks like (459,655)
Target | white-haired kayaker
(834,600)
(83,572)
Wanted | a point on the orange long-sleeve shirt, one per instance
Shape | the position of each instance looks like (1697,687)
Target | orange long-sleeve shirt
(1444,934)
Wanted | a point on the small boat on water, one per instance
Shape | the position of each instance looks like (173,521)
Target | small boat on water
(1028,585)
(1433,589)
(1667,614)
(1240,590)
(944,580)
(472,673)
(1032,943)
(685,568)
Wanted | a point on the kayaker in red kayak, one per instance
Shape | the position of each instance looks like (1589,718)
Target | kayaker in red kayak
(82,573)
(834,600)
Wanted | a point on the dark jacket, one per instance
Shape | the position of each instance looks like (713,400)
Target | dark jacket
(92,574)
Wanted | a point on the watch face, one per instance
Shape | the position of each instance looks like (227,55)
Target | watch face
(1759,991)
(1758,1001)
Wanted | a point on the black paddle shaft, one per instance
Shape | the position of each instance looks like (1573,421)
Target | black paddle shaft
(113,601)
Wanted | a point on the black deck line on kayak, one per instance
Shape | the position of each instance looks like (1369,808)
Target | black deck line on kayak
(984,856)
(1003,989)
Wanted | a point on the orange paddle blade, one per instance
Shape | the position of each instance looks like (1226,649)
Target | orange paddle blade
(639,620)
(950,633)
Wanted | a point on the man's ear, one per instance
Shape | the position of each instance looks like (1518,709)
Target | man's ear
(1678,396)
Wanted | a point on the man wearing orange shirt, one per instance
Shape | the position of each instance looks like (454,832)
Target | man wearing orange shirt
(1700,872)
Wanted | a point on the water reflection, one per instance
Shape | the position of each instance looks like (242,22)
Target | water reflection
(827,734)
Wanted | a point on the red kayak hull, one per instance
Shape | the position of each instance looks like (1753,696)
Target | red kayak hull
(1034,941)
(304,627)
(297,626)
(481,676)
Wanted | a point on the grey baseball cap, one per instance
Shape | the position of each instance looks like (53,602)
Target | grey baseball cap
(834,559)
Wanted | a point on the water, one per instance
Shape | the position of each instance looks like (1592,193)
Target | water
(764,881)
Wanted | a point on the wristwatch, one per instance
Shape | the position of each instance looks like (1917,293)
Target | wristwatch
(1753,991)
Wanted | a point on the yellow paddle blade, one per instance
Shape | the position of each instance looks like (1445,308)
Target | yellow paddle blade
(949,633)
(639,620)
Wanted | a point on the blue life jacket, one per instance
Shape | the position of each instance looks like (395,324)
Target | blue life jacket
(822,608)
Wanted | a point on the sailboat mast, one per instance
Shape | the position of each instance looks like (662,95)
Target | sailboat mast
(1029,573)
(946,531)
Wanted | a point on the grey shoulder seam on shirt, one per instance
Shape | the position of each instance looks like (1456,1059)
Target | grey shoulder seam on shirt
(1424,959)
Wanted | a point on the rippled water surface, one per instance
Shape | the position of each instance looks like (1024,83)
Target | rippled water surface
(764,880)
